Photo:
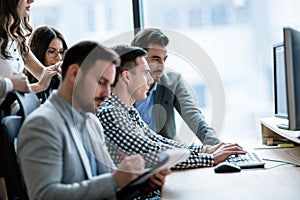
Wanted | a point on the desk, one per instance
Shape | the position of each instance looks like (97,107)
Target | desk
(282,182)
(272,134)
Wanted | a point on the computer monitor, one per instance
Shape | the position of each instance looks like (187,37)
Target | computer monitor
(287,81)
(292,62)
(280,82)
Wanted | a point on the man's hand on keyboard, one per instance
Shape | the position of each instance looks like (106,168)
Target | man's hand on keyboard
(223,150)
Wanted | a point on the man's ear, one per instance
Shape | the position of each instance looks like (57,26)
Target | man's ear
(125,76)
(73,72)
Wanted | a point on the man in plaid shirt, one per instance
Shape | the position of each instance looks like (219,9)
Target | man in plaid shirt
(124,129)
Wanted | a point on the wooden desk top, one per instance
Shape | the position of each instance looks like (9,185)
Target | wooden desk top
(281,182)
(272,122)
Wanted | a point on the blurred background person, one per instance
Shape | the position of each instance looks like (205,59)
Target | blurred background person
(15,54)
(48,45)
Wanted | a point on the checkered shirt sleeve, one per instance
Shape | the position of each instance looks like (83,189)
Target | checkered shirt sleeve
(125,131)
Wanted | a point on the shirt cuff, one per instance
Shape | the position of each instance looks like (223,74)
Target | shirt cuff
(213,160)
(204,148)
(9,85)
(114,184)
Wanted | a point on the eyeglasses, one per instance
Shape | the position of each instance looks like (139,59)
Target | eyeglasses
(52,53)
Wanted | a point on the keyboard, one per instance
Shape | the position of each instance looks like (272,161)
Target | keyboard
(249,160)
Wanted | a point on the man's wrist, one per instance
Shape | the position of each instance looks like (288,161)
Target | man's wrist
(204,148)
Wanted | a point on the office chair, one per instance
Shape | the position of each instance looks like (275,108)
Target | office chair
(10,126)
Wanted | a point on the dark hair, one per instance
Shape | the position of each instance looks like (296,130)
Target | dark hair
(149,36)
(12,27)
(86,53)
(128,55)
(40,40)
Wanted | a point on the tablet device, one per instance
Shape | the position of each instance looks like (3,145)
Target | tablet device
(140,186)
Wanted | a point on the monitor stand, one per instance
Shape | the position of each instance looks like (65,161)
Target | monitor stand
(272,134)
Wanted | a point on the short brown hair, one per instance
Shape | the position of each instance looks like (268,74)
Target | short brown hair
(87,52)
(128,55)
(149,36)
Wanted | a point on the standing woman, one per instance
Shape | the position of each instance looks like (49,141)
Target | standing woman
(14,52)
(48,45)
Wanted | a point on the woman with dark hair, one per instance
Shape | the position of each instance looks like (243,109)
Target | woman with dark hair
(48,45)
(15,55)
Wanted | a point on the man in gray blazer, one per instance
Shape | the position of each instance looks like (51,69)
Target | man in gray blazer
(61,146)
(169,91)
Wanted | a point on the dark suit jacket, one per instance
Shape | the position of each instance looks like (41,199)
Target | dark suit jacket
(172,93)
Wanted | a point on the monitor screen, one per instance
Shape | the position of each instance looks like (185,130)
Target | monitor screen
(292,69)
(280,95)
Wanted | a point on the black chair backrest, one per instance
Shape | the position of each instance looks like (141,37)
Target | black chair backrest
(27,102)
(10,126)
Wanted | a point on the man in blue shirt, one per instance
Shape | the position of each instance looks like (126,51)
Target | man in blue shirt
(168,92)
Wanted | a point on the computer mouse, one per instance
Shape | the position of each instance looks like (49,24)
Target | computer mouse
(226,167)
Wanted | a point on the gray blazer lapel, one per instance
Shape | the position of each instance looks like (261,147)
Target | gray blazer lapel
(85,160)
(73,132)
(97,138)
(158,110)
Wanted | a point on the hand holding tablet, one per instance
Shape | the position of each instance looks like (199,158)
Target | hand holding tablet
(167,159)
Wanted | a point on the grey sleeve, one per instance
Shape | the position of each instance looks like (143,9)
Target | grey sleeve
(5,86)
(40,153)
(190,112)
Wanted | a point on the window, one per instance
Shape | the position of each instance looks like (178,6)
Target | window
(232,37)
(195,18)
(238,36)
(78,20)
